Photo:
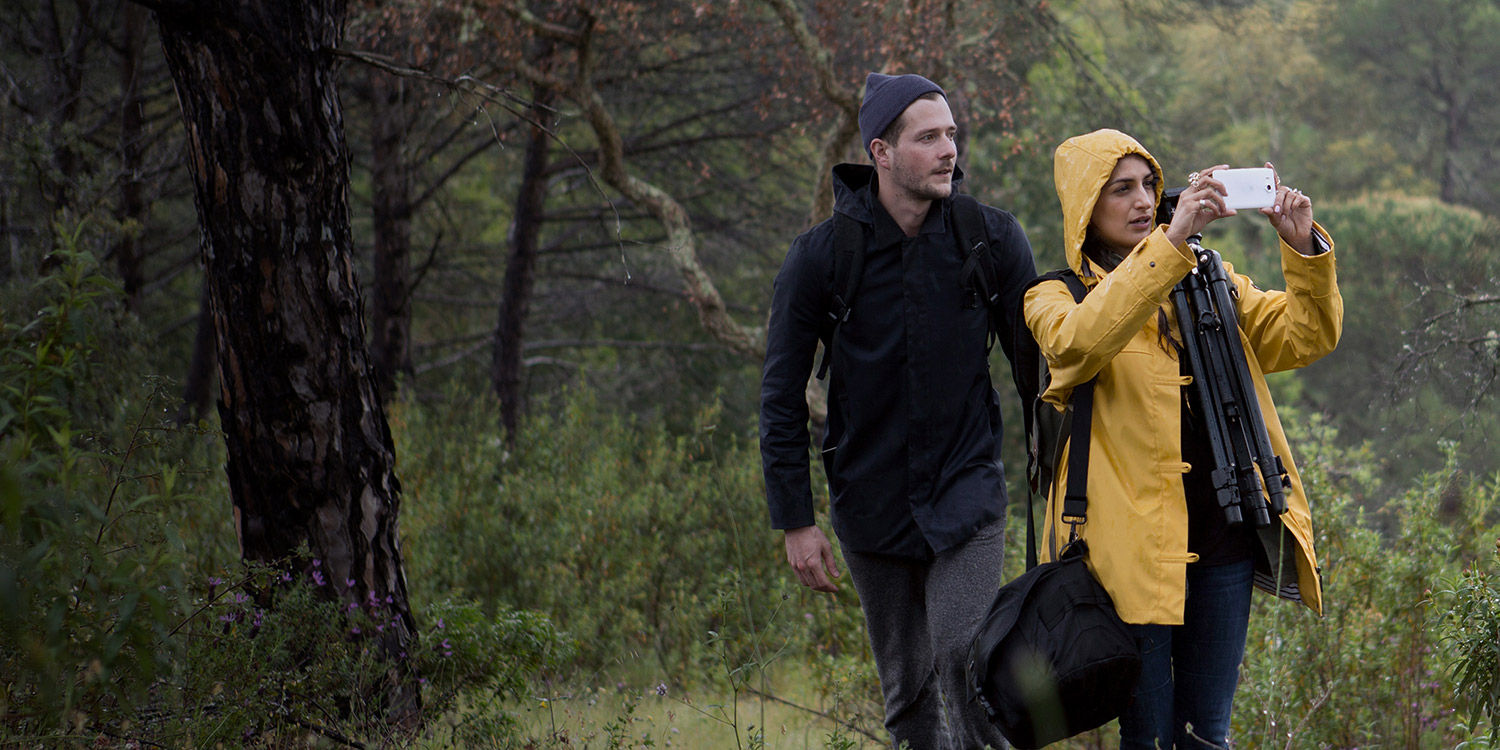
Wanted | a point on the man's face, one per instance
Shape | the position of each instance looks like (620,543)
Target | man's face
(922,159)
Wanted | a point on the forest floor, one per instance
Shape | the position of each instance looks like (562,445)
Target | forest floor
(691,720)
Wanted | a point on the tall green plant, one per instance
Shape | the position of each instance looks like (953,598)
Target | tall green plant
(1468,618)
(91,482)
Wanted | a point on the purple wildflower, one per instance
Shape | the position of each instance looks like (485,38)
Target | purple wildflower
(318,577)
(661,689)
(349,583)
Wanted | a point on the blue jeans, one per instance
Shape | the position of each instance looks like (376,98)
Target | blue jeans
(1189,671)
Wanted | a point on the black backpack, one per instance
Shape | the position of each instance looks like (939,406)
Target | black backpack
(977,277)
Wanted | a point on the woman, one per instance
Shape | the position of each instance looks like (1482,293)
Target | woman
(1179,574)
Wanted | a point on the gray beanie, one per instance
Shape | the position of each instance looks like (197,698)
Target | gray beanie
(886,97)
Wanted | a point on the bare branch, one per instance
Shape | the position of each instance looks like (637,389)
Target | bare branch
(681,243)
(821,59)
(442,179)
(544,28)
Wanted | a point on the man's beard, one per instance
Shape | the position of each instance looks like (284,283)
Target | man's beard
(921,187)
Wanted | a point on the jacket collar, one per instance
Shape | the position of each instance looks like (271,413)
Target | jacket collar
(854,191)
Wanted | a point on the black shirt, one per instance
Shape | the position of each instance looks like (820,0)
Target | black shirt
(912,442)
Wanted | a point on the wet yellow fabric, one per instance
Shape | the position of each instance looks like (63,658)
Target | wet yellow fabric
(1137,513)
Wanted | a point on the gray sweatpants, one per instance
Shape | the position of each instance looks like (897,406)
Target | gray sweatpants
(921,616)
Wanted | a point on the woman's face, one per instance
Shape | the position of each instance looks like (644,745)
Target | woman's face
(1126,209)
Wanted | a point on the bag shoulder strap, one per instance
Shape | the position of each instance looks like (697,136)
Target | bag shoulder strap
(1027,374)
(848,270)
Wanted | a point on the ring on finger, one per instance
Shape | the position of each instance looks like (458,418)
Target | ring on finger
(1204,205)
(1193,179)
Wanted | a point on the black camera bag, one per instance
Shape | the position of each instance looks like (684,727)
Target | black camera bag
(1052,658)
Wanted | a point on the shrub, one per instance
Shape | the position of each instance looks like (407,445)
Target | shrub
(636,541)
(1370,672)
(93,487)
(271,659)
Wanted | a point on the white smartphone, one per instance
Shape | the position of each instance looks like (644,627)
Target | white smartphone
(1253,187)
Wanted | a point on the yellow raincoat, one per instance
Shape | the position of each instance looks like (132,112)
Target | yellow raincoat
(1137,529)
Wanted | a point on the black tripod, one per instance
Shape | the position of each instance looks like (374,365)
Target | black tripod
(1225,394)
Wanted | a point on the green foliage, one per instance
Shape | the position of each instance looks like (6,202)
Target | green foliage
(637,542)
(1470,627)
(1412,365)
(272,659)
(110,625)
(1426,72)
(94,489)
(1369,672)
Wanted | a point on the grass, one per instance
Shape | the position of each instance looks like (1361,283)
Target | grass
(621,715)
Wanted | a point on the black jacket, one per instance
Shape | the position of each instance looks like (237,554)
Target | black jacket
(912,449)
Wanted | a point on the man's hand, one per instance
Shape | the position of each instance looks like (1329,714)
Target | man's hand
(810,554)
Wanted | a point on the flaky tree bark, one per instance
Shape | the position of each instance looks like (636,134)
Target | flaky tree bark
(310,459)
(520,269)
(390,318)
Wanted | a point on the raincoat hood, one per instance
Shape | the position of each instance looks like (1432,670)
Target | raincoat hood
(1080,168)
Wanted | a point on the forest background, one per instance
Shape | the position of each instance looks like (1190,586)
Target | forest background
(387,372)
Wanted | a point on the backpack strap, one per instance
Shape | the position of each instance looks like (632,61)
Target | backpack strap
(980,282)
(848,269)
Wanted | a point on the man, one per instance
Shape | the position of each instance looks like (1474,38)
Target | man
(912,444)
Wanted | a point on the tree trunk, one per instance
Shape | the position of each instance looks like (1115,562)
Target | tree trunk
(520,270)
(129,255)
(390,319)
(64,62)
(310,459)
(1453,128)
